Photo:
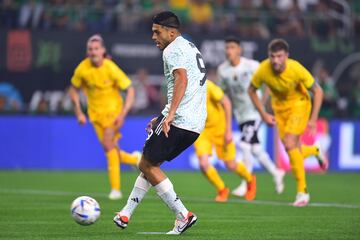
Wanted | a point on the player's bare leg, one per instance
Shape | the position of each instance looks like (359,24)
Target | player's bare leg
(292,145)
(240,169)
(213,176)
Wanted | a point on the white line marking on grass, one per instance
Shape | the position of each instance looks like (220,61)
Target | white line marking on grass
(151,233)
(192,199)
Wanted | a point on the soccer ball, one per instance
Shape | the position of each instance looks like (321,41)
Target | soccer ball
(85,210)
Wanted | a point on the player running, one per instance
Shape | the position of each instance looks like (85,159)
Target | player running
(289,83)
(234,78)
(179,124)
(101,79)
(218,134)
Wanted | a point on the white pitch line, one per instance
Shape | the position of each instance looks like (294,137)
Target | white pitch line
(151,233)
(192,199)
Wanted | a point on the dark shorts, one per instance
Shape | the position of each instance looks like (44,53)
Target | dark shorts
(159,148)
(249,131)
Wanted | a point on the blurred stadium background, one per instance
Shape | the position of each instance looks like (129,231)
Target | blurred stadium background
(43,41)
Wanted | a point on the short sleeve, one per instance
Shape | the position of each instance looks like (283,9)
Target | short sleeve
(175,60)
(121,79)
(76,79)
(215,92)
(305,76)
(256,79)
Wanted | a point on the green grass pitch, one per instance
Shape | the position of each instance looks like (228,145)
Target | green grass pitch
(35,205)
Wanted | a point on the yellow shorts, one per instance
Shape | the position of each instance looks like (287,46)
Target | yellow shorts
(103,121)
(293,120)
(206,141)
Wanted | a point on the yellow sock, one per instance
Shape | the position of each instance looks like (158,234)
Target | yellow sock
(309,150)
(212,174)
(243,172)
(297,166)
(114,168)
(128,158)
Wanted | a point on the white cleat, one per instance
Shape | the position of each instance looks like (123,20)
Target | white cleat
(302,199)
(182,225)
(121,221)
(115,194)
(279,181)
(240,191)
(322,160)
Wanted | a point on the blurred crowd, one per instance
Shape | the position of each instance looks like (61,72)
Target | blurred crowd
(253,18)
(261,19)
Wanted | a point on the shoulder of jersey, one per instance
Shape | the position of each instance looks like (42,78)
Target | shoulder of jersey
(85,63)
(249,61)
(109,62)
(209,83)
(293,62)
(265,63)
(223,65)
(176,43)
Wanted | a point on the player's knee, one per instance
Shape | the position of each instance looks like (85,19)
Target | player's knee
(245,147)
(289,143)
(203,163)
(143,166)
(108,145)
(231,165)
(256,150)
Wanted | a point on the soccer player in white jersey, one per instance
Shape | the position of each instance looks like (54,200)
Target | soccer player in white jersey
(235,75)
(179,124)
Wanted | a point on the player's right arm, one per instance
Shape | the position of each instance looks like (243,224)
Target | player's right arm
(76,82)
(255,84)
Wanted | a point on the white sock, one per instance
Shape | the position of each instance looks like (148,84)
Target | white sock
(166,192)
(246,150)
(141,187)
(264,159)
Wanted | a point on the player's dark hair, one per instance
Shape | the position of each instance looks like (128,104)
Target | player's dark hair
(233,39)
(278,44)
(167,19)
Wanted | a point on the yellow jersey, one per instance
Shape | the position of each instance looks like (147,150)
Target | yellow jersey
(289,88)
(101,86)
(215,111)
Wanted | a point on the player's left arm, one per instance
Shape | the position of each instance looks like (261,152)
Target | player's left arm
(129,101)
(124,84)
(309,82)
(180,84)
(317,101)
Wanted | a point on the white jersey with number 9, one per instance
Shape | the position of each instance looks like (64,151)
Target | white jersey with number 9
(191,113)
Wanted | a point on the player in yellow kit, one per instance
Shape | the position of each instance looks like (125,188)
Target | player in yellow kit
(102,80)
(289,84)
(218,134)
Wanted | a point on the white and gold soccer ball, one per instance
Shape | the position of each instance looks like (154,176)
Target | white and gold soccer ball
(85,210)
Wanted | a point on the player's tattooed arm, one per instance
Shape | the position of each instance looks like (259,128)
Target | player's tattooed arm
(129,101)
(180,84)
(74,95)
(317,101)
